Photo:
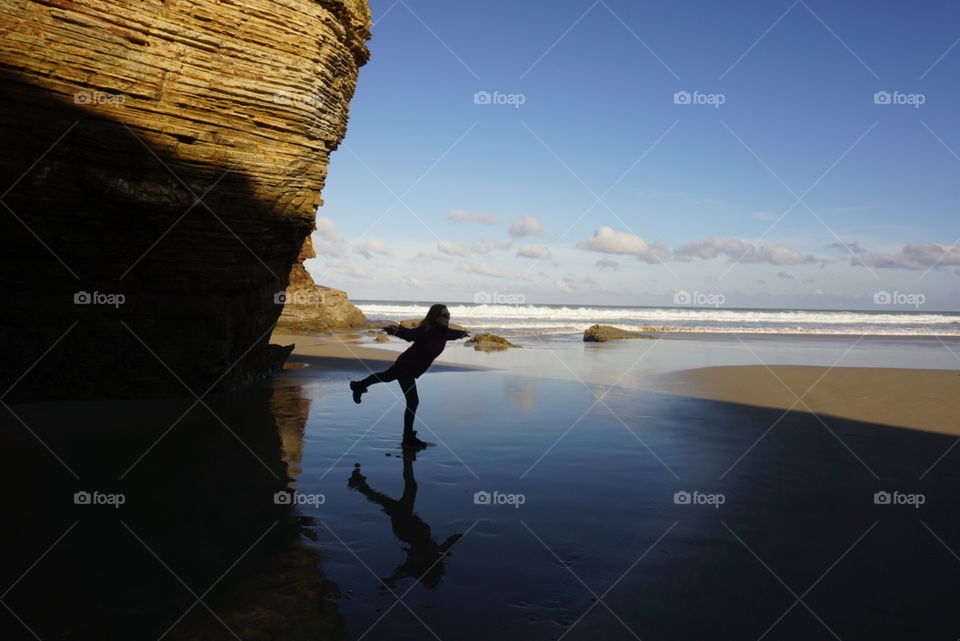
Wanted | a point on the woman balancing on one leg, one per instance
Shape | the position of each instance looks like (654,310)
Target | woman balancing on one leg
(429,338)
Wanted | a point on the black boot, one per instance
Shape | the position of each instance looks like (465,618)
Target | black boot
(410,440)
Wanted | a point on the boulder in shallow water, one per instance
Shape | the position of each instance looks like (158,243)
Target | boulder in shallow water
(603,333)
(489,342)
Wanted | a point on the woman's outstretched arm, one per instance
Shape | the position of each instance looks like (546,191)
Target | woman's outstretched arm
(402,332)
(456,334)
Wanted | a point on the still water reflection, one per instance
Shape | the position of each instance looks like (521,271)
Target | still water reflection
(424,562)
(397,547)
(599,547)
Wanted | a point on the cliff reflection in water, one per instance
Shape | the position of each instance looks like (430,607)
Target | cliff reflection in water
(199,549)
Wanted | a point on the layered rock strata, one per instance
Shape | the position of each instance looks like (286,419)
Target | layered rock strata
(160,166)
(308,306)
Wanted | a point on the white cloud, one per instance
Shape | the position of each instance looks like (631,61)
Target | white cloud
(470,217)
(408,282)
(370,247)
(739,251)
(535,251)
(608,241)
(852,248)
(348,269)
(777,255)
(711,248)
(452,249)
(423,257)
(487,270)
(764,215)
(525,226)
(463,249)
(326,242)
(607,263)
(913,256)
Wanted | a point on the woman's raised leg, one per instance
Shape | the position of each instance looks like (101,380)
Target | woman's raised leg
(360,387)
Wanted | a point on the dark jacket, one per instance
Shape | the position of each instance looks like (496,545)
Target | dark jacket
(427,345)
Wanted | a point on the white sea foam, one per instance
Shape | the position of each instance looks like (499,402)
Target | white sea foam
(559,319)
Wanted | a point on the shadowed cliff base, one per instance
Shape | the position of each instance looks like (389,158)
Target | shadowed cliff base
(150,217)
(104,248)
(198,518)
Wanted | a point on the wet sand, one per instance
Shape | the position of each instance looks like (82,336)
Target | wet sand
(332,357)
(924,399)
(920,399)
(599,484)
(332,347)
(599,517)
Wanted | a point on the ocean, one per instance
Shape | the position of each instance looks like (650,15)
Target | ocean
(540,320)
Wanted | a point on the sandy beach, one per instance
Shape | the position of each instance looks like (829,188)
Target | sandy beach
(920,399)
(914,398)
(338,353)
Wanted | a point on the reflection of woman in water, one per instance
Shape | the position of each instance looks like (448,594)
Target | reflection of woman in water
(424,556)
(429,338)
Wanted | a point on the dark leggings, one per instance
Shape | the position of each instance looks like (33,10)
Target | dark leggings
(409,386)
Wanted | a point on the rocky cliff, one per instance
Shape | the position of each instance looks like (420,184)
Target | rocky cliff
(307,305)
(160,165)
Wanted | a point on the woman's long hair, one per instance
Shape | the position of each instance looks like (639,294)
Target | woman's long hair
(430,320)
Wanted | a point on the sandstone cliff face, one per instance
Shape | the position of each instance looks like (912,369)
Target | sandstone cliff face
(161,162)
(307,305)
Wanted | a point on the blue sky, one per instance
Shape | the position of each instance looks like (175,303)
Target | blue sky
(802,188)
